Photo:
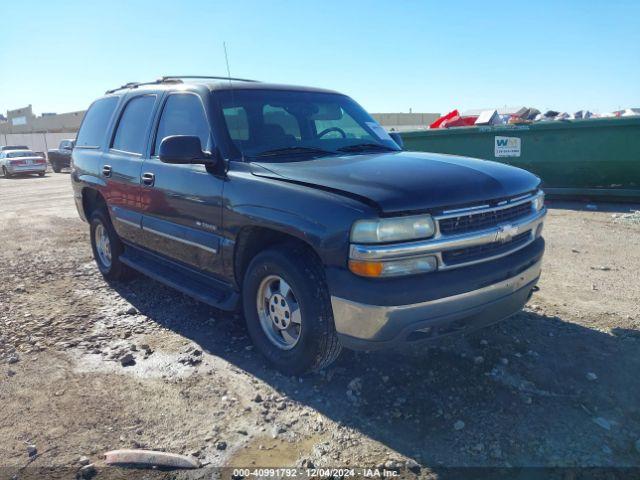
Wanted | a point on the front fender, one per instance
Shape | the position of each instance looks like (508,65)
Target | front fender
(307,229)
(319,218)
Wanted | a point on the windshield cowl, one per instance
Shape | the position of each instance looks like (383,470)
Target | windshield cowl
(295,151)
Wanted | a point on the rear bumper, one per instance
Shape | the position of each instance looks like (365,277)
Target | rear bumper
(364,326)
(26,169)
(64,162)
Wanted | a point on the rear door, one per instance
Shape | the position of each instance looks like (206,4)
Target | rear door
(182,204)
(122,164)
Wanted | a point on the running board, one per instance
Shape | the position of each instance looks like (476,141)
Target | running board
(195,284)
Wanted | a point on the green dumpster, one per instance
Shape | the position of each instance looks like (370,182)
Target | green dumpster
(594,157)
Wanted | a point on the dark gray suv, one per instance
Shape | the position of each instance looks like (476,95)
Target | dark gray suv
(293,204)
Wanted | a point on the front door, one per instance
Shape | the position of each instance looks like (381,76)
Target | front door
(182,204)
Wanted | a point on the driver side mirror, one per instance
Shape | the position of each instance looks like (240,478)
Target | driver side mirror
(184,149)
(397,138)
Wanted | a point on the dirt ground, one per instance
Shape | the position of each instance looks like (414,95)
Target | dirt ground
(557,385)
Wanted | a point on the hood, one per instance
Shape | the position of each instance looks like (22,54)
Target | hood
(407,181)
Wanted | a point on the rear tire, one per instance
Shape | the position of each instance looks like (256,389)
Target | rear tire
(41,174)
(6,174)
(55,166)
(289,282)
(107,248)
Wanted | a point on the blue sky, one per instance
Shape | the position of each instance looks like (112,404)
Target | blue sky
(430,56)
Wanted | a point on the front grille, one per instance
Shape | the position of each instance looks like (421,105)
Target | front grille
(479,221)
(480,252)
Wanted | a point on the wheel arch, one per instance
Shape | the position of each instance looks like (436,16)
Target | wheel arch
(92,200)
(251,240)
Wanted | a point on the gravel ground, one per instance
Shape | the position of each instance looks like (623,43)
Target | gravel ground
(87,367)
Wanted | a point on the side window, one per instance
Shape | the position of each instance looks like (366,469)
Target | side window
(237,123)
(183,114)
(281,118)
(132,128)
(94,125)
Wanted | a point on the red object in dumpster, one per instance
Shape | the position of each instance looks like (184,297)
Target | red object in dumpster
(438,123)
(460,122)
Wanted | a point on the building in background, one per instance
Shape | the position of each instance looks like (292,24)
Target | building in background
(23,127)
(23,120)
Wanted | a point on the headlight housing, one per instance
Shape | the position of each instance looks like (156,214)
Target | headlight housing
(394,268)
(538,201)
(383,230)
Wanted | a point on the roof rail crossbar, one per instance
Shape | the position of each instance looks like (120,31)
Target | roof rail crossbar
(139,84)
(126,85)
(173,77)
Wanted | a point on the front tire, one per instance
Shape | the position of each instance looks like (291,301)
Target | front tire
(288,311)
(55,166)
(107,247)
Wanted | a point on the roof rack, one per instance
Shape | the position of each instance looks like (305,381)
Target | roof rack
(135,85)
(176,79)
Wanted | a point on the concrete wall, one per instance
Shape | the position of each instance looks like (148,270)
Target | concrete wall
(38,142)
(405,121)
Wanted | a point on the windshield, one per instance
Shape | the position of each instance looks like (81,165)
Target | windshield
(275,125)
(20,153)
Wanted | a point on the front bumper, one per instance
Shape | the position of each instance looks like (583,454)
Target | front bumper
(363,326)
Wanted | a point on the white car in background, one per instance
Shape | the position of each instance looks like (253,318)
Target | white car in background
(18,162)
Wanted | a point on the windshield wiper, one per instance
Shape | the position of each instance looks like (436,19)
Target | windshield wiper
(295,150)
(362,147)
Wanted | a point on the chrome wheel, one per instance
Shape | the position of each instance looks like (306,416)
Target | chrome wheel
(103,245)
(279,312)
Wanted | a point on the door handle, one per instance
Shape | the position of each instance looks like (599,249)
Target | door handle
(148,179)
(106,170)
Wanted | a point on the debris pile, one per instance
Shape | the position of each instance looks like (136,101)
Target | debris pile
(518,116)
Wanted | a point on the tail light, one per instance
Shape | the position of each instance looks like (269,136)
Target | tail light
(39,161)
(18,162)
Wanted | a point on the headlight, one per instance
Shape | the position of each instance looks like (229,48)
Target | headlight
(397,229)
(538,202)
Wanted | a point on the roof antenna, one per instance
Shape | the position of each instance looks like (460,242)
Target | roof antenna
(233,100)
(226,59)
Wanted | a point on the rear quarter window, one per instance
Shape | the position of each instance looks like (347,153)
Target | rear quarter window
(93,131)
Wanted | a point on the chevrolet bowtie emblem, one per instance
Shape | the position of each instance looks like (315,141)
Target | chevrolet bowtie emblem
(505,233)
